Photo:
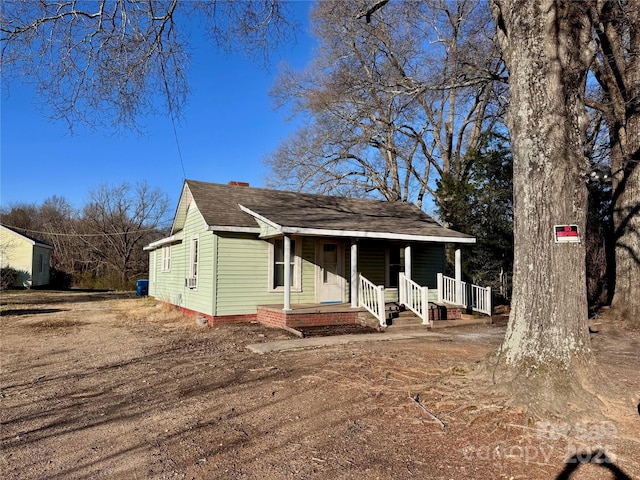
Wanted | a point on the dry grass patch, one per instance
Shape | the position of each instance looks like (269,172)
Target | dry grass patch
(148,311)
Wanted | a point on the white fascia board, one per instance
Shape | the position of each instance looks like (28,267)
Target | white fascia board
(379,235)
(227,228)
(186,198)
(163,241)
(357,233)
(271,223)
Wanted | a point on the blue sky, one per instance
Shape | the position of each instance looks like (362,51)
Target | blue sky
(226,130)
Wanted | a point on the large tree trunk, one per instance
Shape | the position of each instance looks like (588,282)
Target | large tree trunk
(626,188)
(626,221)
(546,49)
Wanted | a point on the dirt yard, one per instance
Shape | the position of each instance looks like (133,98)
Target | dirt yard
(109,386)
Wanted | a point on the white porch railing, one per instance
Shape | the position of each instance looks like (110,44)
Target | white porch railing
(465,294)
(371,297)
(414,297)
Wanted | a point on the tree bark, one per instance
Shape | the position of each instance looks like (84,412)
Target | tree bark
(616,67)
(626,184)
(546,45)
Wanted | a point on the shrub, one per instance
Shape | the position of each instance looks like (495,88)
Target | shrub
(8,276)
(59,279)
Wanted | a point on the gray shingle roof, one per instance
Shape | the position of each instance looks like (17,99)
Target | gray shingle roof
(219,205)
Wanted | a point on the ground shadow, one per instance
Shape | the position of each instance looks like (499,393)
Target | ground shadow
(32,311)
(597,457)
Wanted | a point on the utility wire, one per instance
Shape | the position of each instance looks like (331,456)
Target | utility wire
(175,135)
(173,121)
(81,234)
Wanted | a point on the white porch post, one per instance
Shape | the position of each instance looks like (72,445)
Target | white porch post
(407,262)
(287,272)
(458,277)
(354,273)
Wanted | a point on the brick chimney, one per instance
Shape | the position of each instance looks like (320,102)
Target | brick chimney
(239,184)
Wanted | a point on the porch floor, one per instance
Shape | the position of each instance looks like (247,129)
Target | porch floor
(314,308)
(317,315)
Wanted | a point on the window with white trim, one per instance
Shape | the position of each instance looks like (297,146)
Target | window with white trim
(194,258)
(166,258)
(277,265)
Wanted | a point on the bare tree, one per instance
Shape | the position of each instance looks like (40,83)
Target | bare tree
(57,220)
(117,222)
(389,113)
(616,67)
(547,46)
(112,61)
(22,216)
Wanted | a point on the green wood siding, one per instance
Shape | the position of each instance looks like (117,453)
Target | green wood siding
(200,298)
(371,261)
(308,293)
(169,286)
(233,276)
(427,261)
(152,272)
(371,264)
(243,274)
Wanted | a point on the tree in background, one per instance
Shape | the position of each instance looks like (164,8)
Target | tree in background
(111,62)
(391,103)
(116,223)
(616,67)
(598,236)
(58,221)
(102,245)
(480,203)
(54,222)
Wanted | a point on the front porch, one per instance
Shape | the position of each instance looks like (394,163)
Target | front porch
(447,301)
(321,315)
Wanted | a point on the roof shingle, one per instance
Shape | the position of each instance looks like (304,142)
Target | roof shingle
(219,205)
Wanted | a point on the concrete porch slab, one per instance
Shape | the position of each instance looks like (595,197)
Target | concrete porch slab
(463,322)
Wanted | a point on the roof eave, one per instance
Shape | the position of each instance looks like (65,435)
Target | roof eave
(164,241)
(233,229)
(376,235)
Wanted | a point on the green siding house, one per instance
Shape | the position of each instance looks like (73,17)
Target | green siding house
(238,254)
(29,256)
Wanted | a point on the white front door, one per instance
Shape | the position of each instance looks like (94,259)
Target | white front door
(329,272)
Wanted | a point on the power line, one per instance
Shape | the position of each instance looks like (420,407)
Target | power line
(173,121)
(175,135)
(56,234)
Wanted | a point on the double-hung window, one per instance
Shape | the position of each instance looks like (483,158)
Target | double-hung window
(166,258)
(194,259)
(277,264)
